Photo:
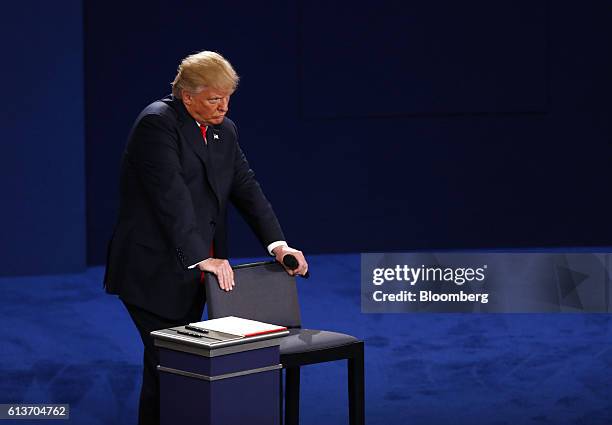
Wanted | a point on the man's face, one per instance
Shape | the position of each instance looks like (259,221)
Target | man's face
(207,107)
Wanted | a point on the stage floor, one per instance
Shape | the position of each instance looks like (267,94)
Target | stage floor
(63,340)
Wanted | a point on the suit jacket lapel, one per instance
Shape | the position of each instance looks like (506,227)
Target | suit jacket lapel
(193,135)
(213,135)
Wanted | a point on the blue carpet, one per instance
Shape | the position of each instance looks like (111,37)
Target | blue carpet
(64,341)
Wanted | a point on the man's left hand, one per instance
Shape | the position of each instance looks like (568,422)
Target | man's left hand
(281,251)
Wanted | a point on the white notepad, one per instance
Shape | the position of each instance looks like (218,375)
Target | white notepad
(239,326)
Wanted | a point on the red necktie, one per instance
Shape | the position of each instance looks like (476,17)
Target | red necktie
(203,129)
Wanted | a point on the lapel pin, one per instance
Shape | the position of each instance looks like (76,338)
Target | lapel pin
(216,136)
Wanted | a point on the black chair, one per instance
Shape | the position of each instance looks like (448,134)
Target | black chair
(265,292)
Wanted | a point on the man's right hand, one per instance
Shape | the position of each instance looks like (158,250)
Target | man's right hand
(221,269)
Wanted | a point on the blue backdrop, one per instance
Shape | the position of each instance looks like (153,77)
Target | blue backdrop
(394,126)
(42,214)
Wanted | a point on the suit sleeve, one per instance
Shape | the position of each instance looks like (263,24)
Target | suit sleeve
(153,152)
(251,203)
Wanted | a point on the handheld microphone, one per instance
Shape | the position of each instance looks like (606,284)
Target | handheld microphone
(292,263)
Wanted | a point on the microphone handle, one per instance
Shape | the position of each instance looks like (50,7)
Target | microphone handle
(292,263)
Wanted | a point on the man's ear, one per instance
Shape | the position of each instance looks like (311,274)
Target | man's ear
(187,98)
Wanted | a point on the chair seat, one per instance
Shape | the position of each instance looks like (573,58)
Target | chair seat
(308,340)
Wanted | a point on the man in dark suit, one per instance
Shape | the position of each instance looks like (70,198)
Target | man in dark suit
(181,168)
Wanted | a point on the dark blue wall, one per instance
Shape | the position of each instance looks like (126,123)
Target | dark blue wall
(380,126)
(42,214)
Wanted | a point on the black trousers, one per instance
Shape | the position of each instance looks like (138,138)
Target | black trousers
(146,322)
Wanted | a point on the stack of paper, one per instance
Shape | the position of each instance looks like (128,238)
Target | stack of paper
(239,326)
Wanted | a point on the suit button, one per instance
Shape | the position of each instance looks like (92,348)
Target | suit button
(213,223)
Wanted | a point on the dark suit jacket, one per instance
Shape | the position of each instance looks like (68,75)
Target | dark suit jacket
(174,192)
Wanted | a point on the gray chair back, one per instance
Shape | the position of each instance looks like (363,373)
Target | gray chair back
(264,291)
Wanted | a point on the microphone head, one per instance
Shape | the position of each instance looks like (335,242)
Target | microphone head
(290,261)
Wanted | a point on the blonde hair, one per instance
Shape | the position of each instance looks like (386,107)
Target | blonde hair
(204,69)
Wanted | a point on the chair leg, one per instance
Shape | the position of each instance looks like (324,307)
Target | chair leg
(356,388)
(292,396)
